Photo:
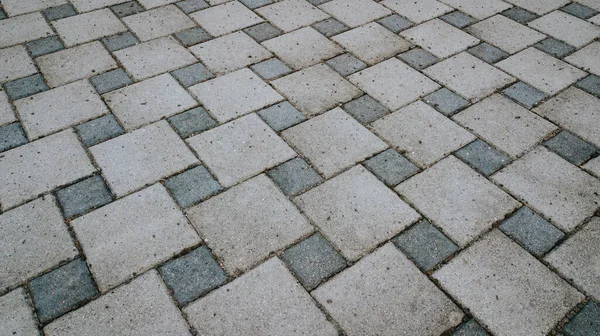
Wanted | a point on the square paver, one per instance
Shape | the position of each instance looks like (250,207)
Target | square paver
(354,13)
(554,47)
(253,4)
(586,322)
(16,63)
(16,314)
(149,4)
(524,94)
(482,157)
(470,328)
(446,101)
(45,46)
(418,11)
(499,282)
(365,109)
(11,136)
(226,18)
(372,43)
(391,167)
(191,122)
(99,130)
(330,27)
(192,74)
(533,232)
(235,94)
(111,80)
(418,58)
(193,36)
(158,22)
(246,223)
(579,10)
(192,186)
(271,68)
(566,28)
(262,32)
(488,53)
(281,116)
(363,309)
(505,33)
(475,206)
(87,27)
(295,176)
(290,15)
(245,307)
(571,148)
(333,141)
(481,10)
(83,196)
(189,6)
(520,15)
(458,19)
(553,187)
(346,64)
(590,84)
(539,7)
(23,28)
(120,41)
(395,23)
(586,58)
(439,38)
(427,136)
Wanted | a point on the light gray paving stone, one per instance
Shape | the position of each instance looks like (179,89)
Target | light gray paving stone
(148,101)
(16,316)
(559,191)
(41,166)
(248,222)
(158,22)
(271,68)
(505,33)
(595,19)
(404,302)
(418,11)
(506,288)
(246,306)
(290,15)
(235,94)
(16,7)
(53,110)
(505,124)
(240,149)
(567,28)
(87,27)
(354,13)
(149,4)
(6,111)
(372,43)
(16,63)
(142,229)
(587,58)
(33,239)
(154,57)
(475,206)
(480,10)
(23,28)
(142,307)
(69,65)
(88,5)
(539,7)
(593,166)
(142,157)
(356,211)
(316,89)
(439,38)
(393,83)
(226,18)
(421,133)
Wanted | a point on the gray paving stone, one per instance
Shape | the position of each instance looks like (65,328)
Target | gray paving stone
(16,315)
(458,19)
(120,41)
(554,47)
(262,32)
(520,15)
(253,4)
(11,136)
(26,87)
(418,11)
(141,307)
(395,23)
(271,68)
(593,166)
(470,328)
(89,5)
(446,101)
(192,275)
(590,84)
(192,74)
(482,157)
(6,110)
(99,130)
(346,64)
(192,186)
(483,10)
(59,12)
(365,109)
(111,80)
(281,116)
(44,46)
(244,307)
(189,6)
(225,18)
(127,8)
(3,14)
(330,27)
(391,167)
(524,94)
(571,148)
(61,290)
(191,122)
(313,260)
(295,176)
(83,196)
(586,322)
(89,26)
(488,53)
(23,28)
(425,245)
(193,36)
(418,58)
(579,10)
(533,232)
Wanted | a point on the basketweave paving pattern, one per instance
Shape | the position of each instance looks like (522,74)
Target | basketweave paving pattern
(299,167)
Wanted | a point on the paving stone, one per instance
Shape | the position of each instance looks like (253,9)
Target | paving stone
(62,289)
(505,34)
(141,307)
(69,65)
(566,28)
(192,74)
(354,13)
(524,94)
(533,232)
(59,12)
(144,156)
(120,41)
(158,22)
(561,192)
(395,23)
(540,7)
(586,322)
(590,84)
(593,166)
(262,32)
(89,5)
(281,116)
(83,196)
(3,14)
(590,3)
(226,18)
(393,83)
(193,36)
(554,47)
(111,80)
(439,38)
(482,10)
(372,43)
(26,87)
(23,28)
(488,53)
(11,136)
(192,275)
(192,186)
(458,19)
(16,7)
(295,176)
(235,94)
(571,148)
(271,68)
(245,307)
(595,19)
(470,328)
(248,231)
(154,57)
(579,10)
(426,137)
(41,166)
(586,58)
(365,109)
(446,101)
(87,27)
(418,11)
(363,309)
(482,157)
(6,111)
(44,46)
(253,4)
(99,130)
(16,316)
(290,15)
(189,6)
(16,63)
(391,167)
(230,52)
(240,149)
(330,27)
(149,4)
(520,15)
(126,9)
(191,122)
(34,238)
(418,58)
(346,64)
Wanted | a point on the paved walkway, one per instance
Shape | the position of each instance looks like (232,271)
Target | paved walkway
(299,167)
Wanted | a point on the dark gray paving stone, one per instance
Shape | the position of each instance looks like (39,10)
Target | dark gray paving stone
(11,136)
(365,109)
(192,121)
(446,101)
(579,10)
(111,80)
(458,19)
(192,275)
(418,58)
(425,245)
(330,27)
(554,47)
(192,186)
(391,167)
(346,64)
(590,84)
(281,116)
(586,322)
(395,23)
(83,196)
(295,176)
(26,86)
(571,147)
(192,74)
(62,290)
(318,2)
(482,157)
(127,8)
(3,14)
(252,4)
(189,6)
(524,94)
(520,15)
(59,12)
(271,68)
(44,46)
(532,231)
(262,32)
(313,260)
(193,36)
(99,130)
(120,41)
(487,53)
(470,328)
